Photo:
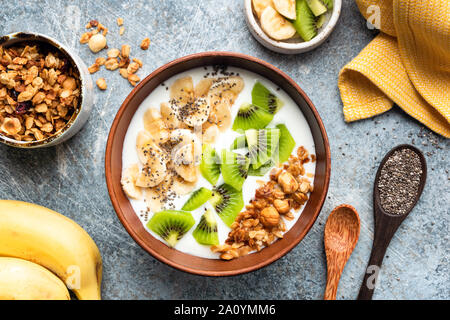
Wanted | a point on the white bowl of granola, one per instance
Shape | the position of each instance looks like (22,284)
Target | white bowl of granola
(46,92)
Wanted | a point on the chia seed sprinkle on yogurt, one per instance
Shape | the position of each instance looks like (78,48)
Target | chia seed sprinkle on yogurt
(399,181)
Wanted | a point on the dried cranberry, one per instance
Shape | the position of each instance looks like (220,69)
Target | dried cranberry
(65,66)
(23,107)
(13,94)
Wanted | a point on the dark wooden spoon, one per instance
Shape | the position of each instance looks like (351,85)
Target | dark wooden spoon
(386,225)
(340,238)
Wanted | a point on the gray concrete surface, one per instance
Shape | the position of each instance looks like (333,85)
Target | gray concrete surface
(69,178)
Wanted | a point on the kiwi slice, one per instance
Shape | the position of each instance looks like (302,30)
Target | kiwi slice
(328,3)
(262,97)
(227,202)
(320,21)
(206,230)
(234,168)
(317,7)
(287,144)
(261,171)
(250,116)
(305,24)
(262,145)
(171,225)
(239,143)
(210,165)
(197,198)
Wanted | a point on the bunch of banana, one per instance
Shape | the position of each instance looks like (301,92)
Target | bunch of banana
(24,280)
(37,240)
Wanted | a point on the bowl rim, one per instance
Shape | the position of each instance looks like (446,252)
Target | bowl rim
(128,226)
(24,36)
(291,47)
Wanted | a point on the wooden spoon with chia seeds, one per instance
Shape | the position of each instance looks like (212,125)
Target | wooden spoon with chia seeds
(399,183)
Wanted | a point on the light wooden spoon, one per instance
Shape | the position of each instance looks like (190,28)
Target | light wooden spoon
(340,238)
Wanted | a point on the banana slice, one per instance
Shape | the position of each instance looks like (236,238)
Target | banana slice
(153,123)
(275,25)
(144,137)
(188,172)
(152,174)
(169,115)
(154,170)
(221,97)
(157,197)
(128,182)
(286,8)
(211,133)
(144,140)
(182,91)
(202,87)
(184,155)
(185,163)
(151,116)
(195,113)
(222,116)
(182,187)
(225,91)
(260,5)
(184,137)
(153,200)
(234,84)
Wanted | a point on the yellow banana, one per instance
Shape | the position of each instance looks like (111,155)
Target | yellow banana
(24,280)
(45,237)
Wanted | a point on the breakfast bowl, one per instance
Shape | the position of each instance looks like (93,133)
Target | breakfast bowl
(46,91)
(121,142)
(295,44)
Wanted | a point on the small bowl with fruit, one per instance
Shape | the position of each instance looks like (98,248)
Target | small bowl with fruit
(292,26)
(217,164)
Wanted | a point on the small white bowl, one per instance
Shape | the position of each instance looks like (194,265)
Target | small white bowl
(81,115)
(295,45)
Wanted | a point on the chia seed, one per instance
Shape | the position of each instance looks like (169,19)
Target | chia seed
(399,181)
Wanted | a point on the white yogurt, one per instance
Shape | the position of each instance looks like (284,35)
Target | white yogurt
(289,114)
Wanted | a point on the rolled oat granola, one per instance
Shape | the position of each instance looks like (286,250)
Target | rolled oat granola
(39,92)
(262,221)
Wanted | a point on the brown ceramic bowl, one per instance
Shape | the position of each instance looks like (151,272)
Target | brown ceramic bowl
(183,261)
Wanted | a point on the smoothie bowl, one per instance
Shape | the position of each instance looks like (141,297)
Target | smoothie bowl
(217,164)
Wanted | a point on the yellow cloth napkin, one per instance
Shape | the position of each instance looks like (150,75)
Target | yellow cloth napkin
(407,63)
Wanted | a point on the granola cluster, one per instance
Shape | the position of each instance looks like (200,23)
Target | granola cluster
(116,59)
(262,222)
(39,92)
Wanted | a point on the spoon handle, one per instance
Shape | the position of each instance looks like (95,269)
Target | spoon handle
(371,274)
(333,276)
(385,228)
